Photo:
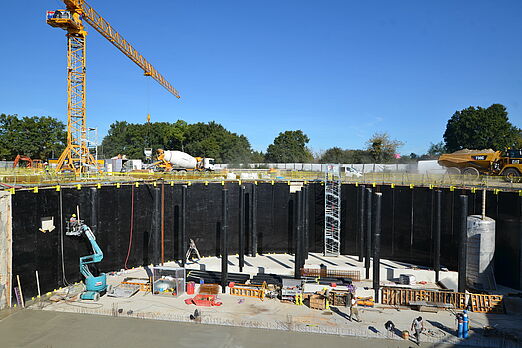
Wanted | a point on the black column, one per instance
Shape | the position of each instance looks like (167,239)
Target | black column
(183,221)
(362,193)
(519,282)
(224,240)
(463,242)
(303,233)
(377,246)
(368,231)
(306,229)
(241,228)
(156,227)
(436,234)
(94,210)
(253,214)
(298,235)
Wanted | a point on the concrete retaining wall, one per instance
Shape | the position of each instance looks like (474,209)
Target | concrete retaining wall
(5,249)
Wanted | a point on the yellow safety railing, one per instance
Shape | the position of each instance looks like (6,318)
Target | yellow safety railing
(34,177)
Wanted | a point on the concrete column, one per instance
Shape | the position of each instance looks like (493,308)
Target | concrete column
(368,231)
(156,227)
(253,214)
(224,239)
(362,194)
(241,228)
(298,236)
(6,249)
(463,242)
(306,222)
(183,220)
(437,233)
(377,246)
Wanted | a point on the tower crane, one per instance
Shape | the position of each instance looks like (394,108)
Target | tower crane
(76,156)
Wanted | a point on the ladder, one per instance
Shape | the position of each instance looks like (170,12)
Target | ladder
(332,210)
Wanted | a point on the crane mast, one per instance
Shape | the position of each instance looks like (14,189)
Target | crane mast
(76,156)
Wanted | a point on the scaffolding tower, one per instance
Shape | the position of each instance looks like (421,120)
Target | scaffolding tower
(332,210)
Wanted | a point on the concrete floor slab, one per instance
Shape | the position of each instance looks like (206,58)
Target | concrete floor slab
(272,314)
(43,329)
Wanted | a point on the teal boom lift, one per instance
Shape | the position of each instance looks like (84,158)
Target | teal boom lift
(95,286)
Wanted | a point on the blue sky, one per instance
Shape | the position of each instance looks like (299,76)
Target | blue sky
(338,70)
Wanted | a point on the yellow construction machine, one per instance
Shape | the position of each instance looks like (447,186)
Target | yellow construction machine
(76,156)
(473,163)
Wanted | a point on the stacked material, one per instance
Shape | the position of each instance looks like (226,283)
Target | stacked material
(215,277)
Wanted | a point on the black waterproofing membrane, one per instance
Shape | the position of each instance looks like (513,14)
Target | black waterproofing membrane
(407,226)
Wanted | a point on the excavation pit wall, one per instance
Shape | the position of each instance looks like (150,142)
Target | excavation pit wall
(407,225)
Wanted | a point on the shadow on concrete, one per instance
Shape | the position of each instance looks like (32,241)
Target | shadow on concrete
(278,262)
(324,260)
(148,270)
(442,327)
(341,314)
(373,329)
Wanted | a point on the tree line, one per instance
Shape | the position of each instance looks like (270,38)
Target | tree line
(45,137)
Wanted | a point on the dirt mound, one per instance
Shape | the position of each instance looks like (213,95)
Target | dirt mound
(473,151)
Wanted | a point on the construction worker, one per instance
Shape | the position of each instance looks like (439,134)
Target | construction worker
(417,326)
(73,223)
(390,328)
(354,311)
(192,249)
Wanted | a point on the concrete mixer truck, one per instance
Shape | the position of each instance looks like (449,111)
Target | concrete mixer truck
(180,161)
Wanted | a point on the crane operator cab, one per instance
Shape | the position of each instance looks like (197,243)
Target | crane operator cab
(64,19)
(514,153)
(95,285)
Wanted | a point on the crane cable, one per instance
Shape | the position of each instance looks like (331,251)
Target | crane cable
(131,226)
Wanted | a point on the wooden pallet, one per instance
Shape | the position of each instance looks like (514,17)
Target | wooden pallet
(248,291)
(331,273)
(486,303)
(209,289)
(338,298)
(403,297)
(317,302)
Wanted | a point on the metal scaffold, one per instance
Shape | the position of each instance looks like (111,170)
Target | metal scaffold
(332,210)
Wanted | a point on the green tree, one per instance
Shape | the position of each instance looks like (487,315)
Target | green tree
(200,139)
(338,155)
(213,140)
(289,147)
(131,139)
(480,128)
(518,142)
(382,148)
(257,157)
(115,141)
(436,150)
(36,137)
(334,155)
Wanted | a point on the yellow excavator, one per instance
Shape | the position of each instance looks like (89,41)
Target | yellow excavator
(473,163)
